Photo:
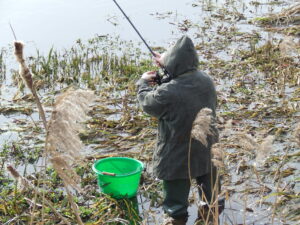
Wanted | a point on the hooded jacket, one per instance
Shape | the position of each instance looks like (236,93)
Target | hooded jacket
(175,104)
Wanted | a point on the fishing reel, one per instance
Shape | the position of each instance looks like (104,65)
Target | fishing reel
(160,79)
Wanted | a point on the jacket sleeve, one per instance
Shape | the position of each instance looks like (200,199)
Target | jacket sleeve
(155,102)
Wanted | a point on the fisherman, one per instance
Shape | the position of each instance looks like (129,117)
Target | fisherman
(175,104)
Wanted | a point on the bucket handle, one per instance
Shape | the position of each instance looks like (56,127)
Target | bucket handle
(109,174)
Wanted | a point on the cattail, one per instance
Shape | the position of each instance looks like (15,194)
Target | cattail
(203,126)
(27,78)
(23,70)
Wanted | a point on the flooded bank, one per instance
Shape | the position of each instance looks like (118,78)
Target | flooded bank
(258,91)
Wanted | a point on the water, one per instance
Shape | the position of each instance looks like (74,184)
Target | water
(55,23)
(43,24)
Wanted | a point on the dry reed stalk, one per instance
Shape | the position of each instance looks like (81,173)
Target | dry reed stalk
(27,78)
(28,185)
(63,144)
(74,206)
(297,133)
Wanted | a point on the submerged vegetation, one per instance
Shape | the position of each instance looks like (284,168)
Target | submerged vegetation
(258,117)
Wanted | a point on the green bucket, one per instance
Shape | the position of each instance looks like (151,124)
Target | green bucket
(118,176)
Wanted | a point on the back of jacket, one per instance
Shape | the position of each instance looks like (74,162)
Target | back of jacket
(176,105)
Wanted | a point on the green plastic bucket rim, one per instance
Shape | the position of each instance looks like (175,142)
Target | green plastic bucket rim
(138,170)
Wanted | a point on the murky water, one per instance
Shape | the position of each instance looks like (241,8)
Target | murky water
(43,24)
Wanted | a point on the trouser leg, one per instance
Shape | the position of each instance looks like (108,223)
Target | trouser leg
(176,193)
(207,186)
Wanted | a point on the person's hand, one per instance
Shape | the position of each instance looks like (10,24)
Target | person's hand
(149,76)
(158,59)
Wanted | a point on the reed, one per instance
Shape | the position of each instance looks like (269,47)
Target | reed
(203,127)
(62,144)
(297,133)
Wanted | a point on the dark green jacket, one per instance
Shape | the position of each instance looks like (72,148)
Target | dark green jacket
(176,104)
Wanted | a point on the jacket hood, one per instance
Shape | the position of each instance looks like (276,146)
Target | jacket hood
(181,58)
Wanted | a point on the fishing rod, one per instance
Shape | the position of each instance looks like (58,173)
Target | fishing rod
(158,79)
(13,32)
